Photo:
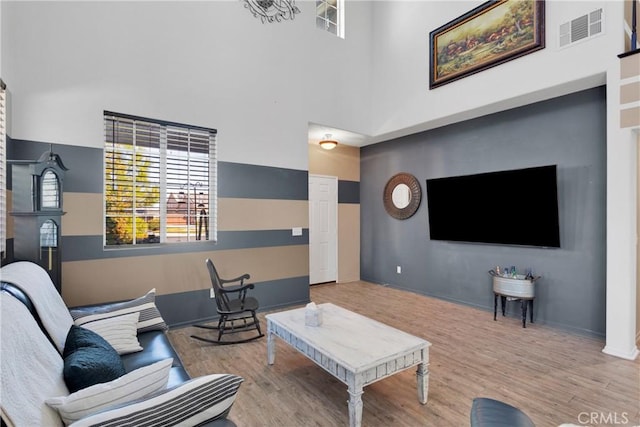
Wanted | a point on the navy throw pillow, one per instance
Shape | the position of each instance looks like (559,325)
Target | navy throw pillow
(89,359)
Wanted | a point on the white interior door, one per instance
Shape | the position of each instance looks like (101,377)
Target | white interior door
(323,230)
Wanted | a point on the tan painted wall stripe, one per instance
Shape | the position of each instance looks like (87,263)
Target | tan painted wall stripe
(85,211)
(343,162)
(349,242)
(629,67)
(84,214)
(630,117)
(94,281)
(261,214)
(630,93)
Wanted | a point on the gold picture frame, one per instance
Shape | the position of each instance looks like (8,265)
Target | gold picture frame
(491,34)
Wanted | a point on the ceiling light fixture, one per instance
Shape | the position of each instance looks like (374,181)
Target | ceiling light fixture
(327,143)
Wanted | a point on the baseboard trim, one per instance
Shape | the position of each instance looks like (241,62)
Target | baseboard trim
(632,354)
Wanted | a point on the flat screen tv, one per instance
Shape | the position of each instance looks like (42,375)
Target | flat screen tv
(511,207)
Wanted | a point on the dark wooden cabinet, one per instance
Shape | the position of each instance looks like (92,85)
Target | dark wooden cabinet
(37,212)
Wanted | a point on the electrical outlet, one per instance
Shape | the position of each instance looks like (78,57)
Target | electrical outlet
(398,269)
(212,294)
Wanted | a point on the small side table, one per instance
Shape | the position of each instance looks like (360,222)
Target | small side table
(514,288)
(524,303)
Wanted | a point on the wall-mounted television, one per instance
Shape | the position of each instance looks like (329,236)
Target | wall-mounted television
(510,207)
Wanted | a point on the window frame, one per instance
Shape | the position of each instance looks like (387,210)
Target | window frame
(340,23)
(167,141)
(3,170)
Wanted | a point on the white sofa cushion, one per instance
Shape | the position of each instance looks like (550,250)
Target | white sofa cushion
(150,318)
(119,331)
(202,399)
(98,397)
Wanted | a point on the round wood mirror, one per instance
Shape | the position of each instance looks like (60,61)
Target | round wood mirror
(402,195)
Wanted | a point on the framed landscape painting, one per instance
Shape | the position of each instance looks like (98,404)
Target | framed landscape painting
(493,33)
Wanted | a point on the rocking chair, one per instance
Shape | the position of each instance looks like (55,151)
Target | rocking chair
(237,313)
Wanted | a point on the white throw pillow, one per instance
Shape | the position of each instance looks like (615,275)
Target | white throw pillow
(99,397)
(195,402)
(150,318)
(119,331)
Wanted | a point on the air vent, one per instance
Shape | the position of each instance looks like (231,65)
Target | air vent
(581,28)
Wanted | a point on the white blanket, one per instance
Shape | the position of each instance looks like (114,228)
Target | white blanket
(36,283)
(31,368)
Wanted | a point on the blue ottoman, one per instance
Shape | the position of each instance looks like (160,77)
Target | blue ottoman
(487,412)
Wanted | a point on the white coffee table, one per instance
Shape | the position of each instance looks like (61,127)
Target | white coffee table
(353,348)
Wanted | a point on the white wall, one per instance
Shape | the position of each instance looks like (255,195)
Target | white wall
(203,63)
(403,102)
(1,39)
(213,64)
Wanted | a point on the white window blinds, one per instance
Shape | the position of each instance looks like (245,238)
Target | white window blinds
(3,170)
(160,182)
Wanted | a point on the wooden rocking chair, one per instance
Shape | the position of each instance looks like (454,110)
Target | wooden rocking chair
(237,313)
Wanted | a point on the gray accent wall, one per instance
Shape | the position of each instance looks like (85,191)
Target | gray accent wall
(348,191)
(272,295)
(569,131)
(261,182)
(79,248)
(235,180)
(85,163)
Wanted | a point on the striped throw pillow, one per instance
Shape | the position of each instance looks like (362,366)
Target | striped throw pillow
(119,331)
(150,318)
(195,402)
(100,397)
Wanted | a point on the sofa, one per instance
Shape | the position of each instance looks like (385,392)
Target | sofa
(107,364)
(487,412)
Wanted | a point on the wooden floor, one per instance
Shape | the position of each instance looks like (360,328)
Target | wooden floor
(554,376)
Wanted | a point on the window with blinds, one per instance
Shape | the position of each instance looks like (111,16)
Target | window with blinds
(160,181)
(3,171)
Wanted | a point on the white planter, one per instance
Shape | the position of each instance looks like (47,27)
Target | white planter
(517,287)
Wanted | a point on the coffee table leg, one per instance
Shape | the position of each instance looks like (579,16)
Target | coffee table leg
(271,348)
(355,406)
(422,373)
